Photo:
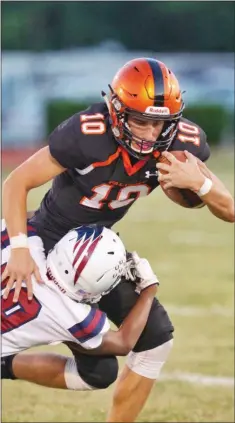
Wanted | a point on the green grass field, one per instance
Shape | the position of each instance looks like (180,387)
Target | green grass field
(192,253)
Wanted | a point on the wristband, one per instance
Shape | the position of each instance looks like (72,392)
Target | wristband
(19,241)
(205,188)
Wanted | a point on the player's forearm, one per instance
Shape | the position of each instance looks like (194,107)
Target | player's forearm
(221,204)
(121,342)
(134,323)
(14,200)
(218,200)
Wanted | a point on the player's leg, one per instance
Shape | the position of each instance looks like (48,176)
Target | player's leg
(135,384)
(144,363)
(41,368)
(61,372)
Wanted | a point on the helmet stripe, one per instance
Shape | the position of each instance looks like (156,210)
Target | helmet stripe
(158,82)
(87,238)
(80,250)
(86,257)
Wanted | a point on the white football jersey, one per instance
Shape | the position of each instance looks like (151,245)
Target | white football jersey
(51,317)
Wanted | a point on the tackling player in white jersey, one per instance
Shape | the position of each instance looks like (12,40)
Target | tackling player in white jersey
(84,265)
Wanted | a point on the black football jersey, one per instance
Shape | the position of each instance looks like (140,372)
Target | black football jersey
(101,181)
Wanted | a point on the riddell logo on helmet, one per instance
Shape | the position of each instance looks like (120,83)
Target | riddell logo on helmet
(164,111)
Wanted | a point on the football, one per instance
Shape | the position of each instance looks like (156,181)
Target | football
(183,197)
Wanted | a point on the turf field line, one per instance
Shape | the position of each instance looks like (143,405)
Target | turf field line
(199,379)
(214,310)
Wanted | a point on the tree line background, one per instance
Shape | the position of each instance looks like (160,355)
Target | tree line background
(153,25)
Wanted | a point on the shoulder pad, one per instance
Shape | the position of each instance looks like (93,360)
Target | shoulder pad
(82,138)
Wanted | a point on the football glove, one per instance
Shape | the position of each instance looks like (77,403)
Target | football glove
(130,270)
(140,272)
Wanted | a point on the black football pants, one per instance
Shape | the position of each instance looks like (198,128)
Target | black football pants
(100,371)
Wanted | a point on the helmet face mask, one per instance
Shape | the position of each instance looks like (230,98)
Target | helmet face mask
(144,89)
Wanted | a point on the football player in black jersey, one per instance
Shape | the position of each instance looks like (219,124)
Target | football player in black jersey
(100,161)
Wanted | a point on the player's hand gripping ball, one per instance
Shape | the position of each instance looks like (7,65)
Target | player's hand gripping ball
(183,197)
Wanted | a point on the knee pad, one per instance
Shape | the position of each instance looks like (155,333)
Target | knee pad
(149,363)
(6,367)
(97,371)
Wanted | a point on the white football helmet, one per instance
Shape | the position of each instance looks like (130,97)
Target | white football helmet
(87,263)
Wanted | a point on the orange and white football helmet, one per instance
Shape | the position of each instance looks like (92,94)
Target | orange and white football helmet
(144,88)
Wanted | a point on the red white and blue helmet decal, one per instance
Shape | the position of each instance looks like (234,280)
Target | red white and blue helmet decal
(87,239)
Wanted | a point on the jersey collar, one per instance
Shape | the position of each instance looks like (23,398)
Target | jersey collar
(131,170)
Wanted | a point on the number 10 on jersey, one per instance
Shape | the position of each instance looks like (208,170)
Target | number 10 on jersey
(93,124)
(101,194)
